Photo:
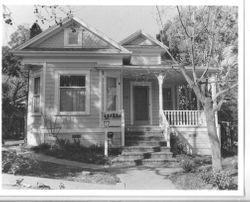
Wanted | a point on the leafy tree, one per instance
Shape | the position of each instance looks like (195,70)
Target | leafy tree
(14,83)
(21,35)
(35,30)
(204,37)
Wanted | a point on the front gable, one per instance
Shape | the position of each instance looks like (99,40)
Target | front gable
(145,49)
(56,38)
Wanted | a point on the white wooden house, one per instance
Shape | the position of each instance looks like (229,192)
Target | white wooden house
(82,77)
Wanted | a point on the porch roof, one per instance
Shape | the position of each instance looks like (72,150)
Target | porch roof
(149,72)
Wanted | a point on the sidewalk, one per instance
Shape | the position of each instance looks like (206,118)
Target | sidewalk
(10,180)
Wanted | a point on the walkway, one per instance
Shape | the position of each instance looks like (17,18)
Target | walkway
(131,177)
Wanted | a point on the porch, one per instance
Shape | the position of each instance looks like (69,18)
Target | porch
(155,98)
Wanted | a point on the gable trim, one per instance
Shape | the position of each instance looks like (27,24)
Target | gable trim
(150,38)
(54,28)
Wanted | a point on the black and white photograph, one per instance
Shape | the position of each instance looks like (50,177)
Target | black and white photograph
(112,100)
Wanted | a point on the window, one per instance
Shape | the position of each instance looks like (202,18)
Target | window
(73,93)
(111,92)
(72,38)
(36,95)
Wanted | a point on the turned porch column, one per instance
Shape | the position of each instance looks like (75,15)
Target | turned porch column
(160,79)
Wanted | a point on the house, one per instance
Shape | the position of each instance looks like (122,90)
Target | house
(86,81)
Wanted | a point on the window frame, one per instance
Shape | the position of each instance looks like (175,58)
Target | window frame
(66,38)
(34,75)
(118,82)
(85,73)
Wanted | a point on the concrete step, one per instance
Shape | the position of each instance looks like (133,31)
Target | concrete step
(143,128)
(141,155)
(145,137)
(145,143)
(146,162)
(143,133)
(145,149)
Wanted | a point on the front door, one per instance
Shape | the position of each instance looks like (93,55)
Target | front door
(141,105)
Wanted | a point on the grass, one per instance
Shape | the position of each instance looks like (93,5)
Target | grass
(193,181)
(74,152)
(55,171)
(18,164)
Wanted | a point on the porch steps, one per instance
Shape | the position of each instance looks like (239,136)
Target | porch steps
(145,145)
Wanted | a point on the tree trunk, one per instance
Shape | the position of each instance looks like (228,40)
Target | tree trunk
(212,133)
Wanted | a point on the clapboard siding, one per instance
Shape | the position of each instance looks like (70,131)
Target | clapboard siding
(55,41)
(77,121)
(197,138)
(145,60)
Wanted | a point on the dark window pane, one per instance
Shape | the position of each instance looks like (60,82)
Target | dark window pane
(73,37)
(67,81)
(72,99)
(37,85)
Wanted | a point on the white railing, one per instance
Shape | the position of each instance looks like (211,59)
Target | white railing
(184,117)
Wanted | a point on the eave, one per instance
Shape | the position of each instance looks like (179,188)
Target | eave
(27,53)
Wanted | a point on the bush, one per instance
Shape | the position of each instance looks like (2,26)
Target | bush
(220,179)
(74,151)
(17,164)
(188,165)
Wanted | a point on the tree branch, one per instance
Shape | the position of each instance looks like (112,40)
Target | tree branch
(183,26)
(224,91)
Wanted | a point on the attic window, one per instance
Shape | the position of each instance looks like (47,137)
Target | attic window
(72,38)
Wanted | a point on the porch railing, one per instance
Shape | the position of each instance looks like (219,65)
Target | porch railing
(184,117)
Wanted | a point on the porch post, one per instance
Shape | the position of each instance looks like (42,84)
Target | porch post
(160,79)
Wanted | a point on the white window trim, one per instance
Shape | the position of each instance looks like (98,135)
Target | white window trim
(32,85)
(57,91)
(118,83)
(66,38)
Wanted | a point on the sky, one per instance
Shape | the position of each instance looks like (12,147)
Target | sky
(117,22)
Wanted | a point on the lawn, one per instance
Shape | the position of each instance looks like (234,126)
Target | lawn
(197,174)
(18,164)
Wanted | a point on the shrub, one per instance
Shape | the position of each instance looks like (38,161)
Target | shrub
(14,163)
(187,163)
(75,152)
(220,179)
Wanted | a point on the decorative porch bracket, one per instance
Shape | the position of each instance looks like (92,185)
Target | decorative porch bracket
(163,123)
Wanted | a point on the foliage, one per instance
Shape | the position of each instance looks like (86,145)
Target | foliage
(17,164)
(35,30)
(187,163)
(73,151)
(177,145)
(220,179)
(206,36)
(14,91)
(51,123)
(188,181)
(21,35)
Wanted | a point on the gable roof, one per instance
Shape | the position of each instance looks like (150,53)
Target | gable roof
(135,40)
(52,30)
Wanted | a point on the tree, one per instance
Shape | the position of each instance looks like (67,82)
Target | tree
(35,30)
(14,82)
(21,35)
(199,37)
